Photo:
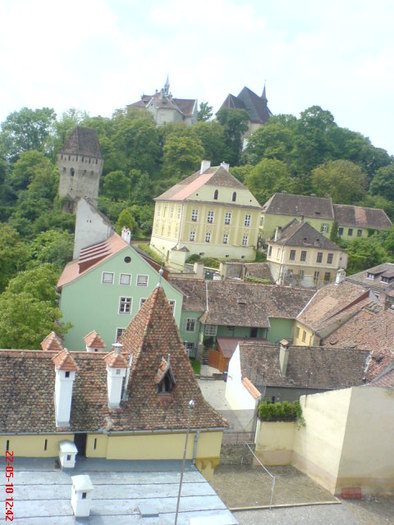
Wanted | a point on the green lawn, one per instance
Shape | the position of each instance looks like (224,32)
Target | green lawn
(196,365)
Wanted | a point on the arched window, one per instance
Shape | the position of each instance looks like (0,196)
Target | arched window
(216,195)
(234,196)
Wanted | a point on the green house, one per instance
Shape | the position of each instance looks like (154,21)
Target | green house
(105,287)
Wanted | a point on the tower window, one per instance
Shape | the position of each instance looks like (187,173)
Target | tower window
(72,171)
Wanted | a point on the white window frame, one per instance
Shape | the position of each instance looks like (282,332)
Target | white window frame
(117,334)
(190,325)
(125,275)
(107,282)
(210,330)
(292,255)
(248,218)
(172,303)
(125,305)
(145,283)
(245,240)
(225,238)
(324,228)
(192,236)
(194,215)
(210,217)
(227,217)
(208,236)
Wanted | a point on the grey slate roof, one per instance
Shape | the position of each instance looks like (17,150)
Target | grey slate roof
(360,217)
(298,205)
(255,106)
(302,234)
(82,141)
(308,367)
(234,303)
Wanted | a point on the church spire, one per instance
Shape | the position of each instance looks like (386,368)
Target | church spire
(166,89)
(264,95)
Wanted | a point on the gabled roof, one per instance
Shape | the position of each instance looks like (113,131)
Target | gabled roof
(115,360)
(64,361)
(82,141)
(28,402)
(255,106)
(308,367)
(299,205)
(185,106)
(52,343)
(94,340)
(302,234)
(235,303)
(371,328)
(332,305)
(215,176)
(90,257)
(360,217)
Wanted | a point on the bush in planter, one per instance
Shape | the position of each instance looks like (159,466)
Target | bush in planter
(285,411)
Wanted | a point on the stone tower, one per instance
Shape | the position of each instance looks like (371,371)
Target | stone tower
(80,166)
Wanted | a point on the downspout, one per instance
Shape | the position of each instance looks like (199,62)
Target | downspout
(196,438)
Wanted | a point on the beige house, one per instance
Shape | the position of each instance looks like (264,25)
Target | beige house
(210,213)
(167,109)
(300,255)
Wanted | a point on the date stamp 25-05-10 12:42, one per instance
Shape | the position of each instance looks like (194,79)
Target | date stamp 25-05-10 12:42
(9,486)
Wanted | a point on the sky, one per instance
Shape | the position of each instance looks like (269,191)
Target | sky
(100,55)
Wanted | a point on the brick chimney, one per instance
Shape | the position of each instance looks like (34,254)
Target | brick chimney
(283,356)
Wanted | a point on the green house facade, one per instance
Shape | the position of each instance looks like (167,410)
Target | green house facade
(105,288)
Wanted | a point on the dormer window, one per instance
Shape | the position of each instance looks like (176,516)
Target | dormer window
(370,276)
(216,195)
(166,385)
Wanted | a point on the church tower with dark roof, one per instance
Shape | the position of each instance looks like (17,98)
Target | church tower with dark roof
(80,166)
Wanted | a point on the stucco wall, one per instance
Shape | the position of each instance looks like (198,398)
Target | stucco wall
(33,446)
(274,442)
(236,394)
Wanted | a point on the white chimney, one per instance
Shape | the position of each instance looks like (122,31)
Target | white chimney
(116,371)
(81,495)
(205,165)
(67,454)
(283,356)
(341,276)
(225,165)
(65,369)
(126,234)
(278,233)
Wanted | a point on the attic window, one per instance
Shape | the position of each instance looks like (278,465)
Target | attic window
(166,385)
(234,196)
(216,195)
(127,260)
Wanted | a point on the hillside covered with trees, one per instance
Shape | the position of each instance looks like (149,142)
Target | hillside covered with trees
(305,155)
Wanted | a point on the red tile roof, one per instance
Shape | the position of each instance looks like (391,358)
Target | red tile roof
(64,361)
(27,400)
(94,340)
(115,360)
(52,343)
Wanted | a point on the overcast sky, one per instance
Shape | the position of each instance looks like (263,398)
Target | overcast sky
(99,55)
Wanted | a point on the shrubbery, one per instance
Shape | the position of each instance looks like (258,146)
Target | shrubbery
(285,411)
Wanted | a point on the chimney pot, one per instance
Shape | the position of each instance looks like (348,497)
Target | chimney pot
(205,165)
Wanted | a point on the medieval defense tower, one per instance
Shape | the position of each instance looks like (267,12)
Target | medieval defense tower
(80,166)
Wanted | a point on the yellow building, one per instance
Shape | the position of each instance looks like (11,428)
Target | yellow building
(329,308)
(132,403)
(352,221)
(300,255)
(210,213)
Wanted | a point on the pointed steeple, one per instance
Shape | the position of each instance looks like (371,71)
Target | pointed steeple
(264,94)
(166,89)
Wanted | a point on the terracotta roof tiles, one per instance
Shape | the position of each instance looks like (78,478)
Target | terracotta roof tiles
(94,340)
(64,361)
(52,343)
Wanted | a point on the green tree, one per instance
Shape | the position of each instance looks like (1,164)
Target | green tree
(39,282)
(116,186)
(25,321)
(13,254)
(205,112)
(127,220)
(52,246)
(363,254)
(343,180)
(28,166)
(26,130)
(235,125)
(383,182)
(267,177)
(211,135)
(272,141)
(181,156)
